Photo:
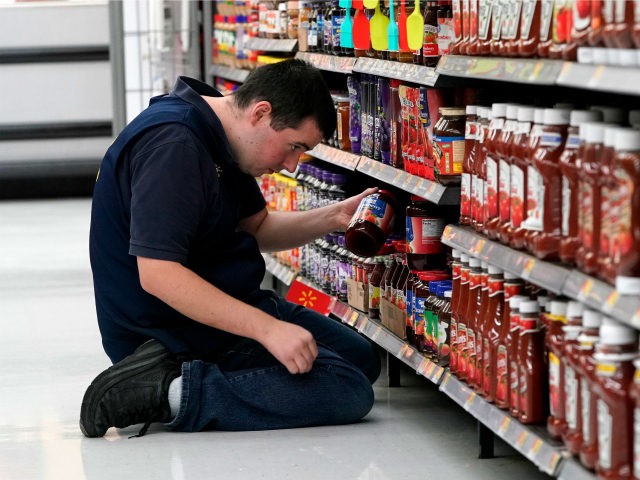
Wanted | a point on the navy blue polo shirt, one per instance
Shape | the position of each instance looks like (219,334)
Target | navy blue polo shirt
(169,189)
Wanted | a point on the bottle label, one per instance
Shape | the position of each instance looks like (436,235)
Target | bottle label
(496,19)
(559,31)
(471,130)
(443,342)
(424,234)
(486,365)
(522,388)
(502,373)
(581,17)
(496,287)
(535,200)
(550,139)
(504,188)
(585,395)
(605,425)
(620,8)
(528,9)
(546,15)
(608,10)
(456,10)
(448,154)
(586,214)
(511,290)
(607,224)
(471,354)
(478,195)
(491,186)
(374,297)
(514,387)
(430,42)
(517,200)
(473,25)
(554,384)
(566,205)
(374,210)
(484,19)
(570,397)
(514,21)
(636,19)
(465,195)
(624,239)
(418,315)
(445,35)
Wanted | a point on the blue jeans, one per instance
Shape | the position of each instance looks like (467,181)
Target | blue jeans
(248,389)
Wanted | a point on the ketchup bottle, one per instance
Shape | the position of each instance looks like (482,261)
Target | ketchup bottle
(523,163)
(476,8)
(570,166)
(601,14)
(572,400)
(544,186)
(627,172)
(503,153)
(513,286)
(485,27)
(512,43)
(546,17)
(513,365)
(491,149)
(470,142)
(555,342)
(529,28)
(492,337)
(590,198)
(614,357)
(560,28)
(498,12)
(531,362)
(478,330)
(623,25)
(479,171)
(580,26)
(457,315)
(456,275)
(475,285)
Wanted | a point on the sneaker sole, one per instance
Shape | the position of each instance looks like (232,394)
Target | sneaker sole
(147,355)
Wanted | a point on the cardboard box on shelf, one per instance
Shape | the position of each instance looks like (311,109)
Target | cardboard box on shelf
(393,318)
(358,295)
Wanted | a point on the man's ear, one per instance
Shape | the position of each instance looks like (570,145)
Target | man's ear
(260,111)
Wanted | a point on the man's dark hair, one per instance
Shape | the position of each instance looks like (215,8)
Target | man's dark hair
(296,91)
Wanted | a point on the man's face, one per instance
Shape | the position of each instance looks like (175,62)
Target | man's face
(269,151)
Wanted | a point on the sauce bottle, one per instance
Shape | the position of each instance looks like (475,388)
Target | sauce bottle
(374,287)
(590,197)
(544,186)
(412,279)
(371,223)
(498,12)
(572,399)
(522,161)
(457,312)
(445,27)
(480,172)
(456,11)
(424,227)
(472,44)
(456,275)
(485,27)
(449,145)
(580,25)
(560,28)
(598,9)
(430,53)
(570,166)
(444,321)
(470,141)
(529,28)
(491,146)
(491,337)
(614,372)
(513,286)
(476,329)
(513,366)
(464,347)
(627,172)
(588,340)
(546,17)
(531,363)
(555,343)
(511,44)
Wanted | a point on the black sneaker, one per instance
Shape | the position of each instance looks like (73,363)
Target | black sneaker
(134,390)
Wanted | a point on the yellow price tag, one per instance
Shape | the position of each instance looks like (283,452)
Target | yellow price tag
(522,438)
(587,286)
(611,300)
(504,425)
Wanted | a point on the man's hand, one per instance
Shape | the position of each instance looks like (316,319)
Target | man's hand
(292,345)
(348,207)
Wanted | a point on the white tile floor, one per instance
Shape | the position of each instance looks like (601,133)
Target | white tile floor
(50,350)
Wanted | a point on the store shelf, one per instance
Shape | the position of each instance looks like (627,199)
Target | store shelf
(530,441)
(520,70)
(335,156)
(330,63)
(398,70)
(432,191)
(556,278)
(611,79)
(230,73)
(278,270)
(271,44)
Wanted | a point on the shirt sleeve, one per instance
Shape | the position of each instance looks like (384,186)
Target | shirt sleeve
(167,197)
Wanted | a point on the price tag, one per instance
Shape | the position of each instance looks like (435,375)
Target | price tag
(403,351)
(477,248)
(353,318)
(430,369)
(375,333)
(528,268)
(586,289)
(535,448)
(522,438)
(421,370)
(553,462)
(469,401)
(611,301)
(504,426)
(448,233)
(446,380)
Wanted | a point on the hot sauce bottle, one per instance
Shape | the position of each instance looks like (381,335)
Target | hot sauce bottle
(627,251)
(555,343)
(477,329)
(470,141)
(546,17)
(527,45)
(491,337)
(513,367)
(464,346)
(570,166)
(572,399)
(465,270)
(598,8)
(544,186)
(614,357)
(491,148)
(524,164)
(531,362)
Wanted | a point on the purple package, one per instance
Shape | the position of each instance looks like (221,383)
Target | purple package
(355,112)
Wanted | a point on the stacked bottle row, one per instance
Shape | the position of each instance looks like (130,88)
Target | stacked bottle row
(404,126)
(559,183)
(548,360)
(234,23)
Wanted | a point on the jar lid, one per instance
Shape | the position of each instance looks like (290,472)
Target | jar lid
(456,253)
(574,309)
(512,111)
(529,306)
(525,114)
(591,319)
(556,116)
(580,116)
(515,301)
(464,257)
(498,110)
(543,301)
(627,140)
(594,132)
(474,262)
(493,270)
(615,333)
(538,115)
(452,111)
(558,308)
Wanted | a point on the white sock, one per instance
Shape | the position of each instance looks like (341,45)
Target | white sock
(175,395)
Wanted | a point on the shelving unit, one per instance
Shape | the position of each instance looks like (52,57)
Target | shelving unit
(272,44)
(230,73)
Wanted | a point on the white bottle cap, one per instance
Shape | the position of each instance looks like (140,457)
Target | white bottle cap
(615,333)
(627,140)
(574,309)
(556,116)
(610,135)
(634,117)
(474,262)
(456,253)
(512,111)
(580,116)
(448,293)
(515,301)
(529,306)
(594,132)
(471,109)
(543,301)
(591,319)
(610,114)
(493,270)
(510,276)
(498,110)
(464,257)
(484,265)
(558,308)
(571,332)
(525,114)
(538,116)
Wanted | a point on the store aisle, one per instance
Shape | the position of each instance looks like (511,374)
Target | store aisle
(50,350)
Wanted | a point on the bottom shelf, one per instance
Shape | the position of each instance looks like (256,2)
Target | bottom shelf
(533,442)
